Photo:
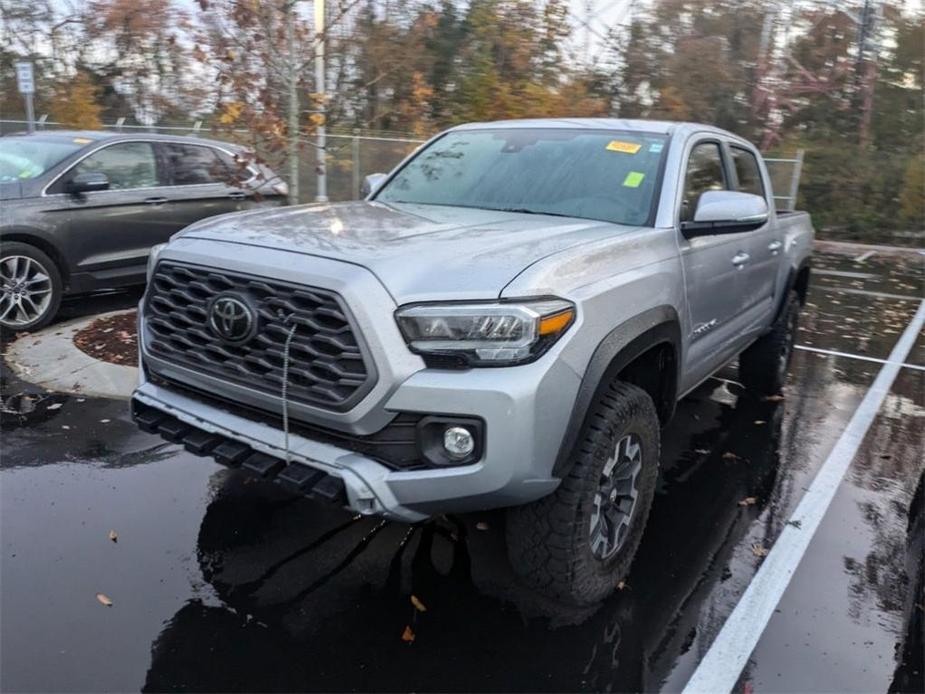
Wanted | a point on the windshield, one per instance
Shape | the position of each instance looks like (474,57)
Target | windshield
(22,158)
(609,176)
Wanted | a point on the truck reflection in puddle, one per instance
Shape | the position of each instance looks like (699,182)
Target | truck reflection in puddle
(311,599)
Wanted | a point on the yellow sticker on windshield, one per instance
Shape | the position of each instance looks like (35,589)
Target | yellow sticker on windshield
(82,140)
(625,147)
(633,179)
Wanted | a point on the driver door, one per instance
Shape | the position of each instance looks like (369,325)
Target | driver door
(713,270)
(110,232)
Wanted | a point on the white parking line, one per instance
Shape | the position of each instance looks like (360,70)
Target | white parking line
(842,273)
(720,668)
(868,292)
(861,357)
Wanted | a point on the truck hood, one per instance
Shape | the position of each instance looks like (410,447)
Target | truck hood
(419,252)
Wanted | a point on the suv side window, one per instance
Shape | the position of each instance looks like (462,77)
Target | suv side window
(126,165)
(704,172)
(194,164)
(747,171)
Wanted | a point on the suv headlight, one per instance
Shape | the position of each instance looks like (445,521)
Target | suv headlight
(152,259)
(485,334)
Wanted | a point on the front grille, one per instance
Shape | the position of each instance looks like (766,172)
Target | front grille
(327,364)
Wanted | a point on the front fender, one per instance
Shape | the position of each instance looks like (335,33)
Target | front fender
(623,344)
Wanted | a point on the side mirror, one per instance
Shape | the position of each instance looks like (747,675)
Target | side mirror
(726,212)
(87,182)
(371,183)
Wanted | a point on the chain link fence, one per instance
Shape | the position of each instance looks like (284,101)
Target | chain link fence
(351,157)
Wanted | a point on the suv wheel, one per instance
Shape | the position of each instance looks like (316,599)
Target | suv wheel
(30,287)
(763,366)
(577,543)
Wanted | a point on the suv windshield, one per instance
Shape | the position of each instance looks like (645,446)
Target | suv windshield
(22,158)
(604,175)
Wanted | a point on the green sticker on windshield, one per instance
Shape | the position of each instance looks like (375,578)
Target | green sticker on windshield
(633,179)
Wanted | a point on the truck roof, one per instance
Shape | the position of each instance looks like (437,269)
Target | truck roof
(626,124)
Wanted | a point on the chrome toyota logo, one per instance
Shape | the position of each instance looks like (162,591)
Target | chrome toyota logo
(231,318)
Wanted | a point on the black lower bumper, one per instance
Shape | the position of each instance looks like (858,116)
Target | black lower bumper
(296,477)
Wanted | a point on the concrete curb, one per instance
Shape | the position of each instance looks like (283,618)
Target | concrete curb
(50,359)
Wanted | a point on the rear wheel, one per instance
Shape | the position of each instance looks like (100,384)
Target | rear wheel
(763,366)
(576,544)
(30,287)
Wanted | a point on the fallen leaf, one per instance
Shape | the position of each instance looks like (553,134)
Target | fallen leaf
(621,585)
(418,605)
(702,451)
(103,600)
(729,455)
(795,523)
(113,536)
(748,501)
(773,398)
(105,421)
(759,551)
(760,421)
(54,406)
(407,635)
(481,525)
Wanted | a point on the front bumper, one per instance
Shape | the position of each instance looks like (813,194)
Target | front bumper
(525,408)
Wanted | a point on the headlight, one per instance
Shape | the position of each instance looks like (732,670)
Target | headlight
(152,259)
(490,334)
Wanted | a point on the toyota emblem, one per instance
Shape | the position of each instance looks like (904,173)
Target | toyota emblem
(231,318)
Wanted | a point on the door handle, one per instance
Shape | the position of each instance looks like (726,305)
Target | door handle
(774,247)
(155,201)
(237,195)
(740,258)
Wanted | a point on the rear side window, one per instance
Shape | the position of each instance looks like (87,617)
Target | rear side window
(747,171)
(194,165)
(127,165)
(704,172)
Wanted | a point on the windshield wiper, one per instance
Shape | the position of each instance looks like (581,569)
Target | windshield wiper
(524,210)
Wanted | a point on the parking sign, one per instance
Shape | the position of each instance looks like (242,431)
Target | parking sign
(24,78)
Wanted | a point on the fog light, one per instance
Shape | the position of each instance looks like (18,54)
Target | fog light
(458,442)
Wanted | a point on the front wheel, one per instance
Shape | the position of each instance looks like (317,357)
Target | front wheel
(30,287)
(576,544)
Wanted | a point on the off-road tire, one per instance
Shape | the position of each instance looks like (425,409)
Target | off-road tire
(549,540)
(763,366)
(14,248)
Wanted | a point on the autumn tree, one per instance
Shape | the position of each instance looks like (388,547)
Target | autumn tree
(76,104)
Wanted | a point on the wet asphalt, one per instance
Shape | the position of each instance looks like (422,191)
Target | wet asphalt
(222,583)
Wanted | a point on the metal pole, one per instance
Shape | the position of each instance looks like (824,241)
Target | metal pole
(293,107)
(322,193)
(356,164)
(30,114)
(795,181)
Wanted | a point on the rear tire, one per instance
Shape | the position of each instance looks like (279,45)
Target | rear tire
(30,288)
(576,544)
(763,366)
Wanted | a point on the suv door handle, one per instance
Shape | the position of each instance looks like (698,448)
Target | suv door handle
(237,195)
(155,201)
(740,258)
(774,247)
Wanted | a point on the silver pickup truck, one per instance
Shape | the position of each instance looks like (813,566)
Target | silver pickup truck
(506,320)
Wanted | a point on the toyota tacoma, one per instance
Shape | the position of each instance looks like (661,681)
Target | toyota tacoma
(506,320)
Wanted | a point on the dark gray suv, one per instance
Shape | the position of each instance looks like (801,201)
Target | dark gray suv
(79,211)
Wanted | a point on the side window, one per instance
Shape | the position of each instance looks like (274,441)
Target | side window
(704,172)
(126,165)
(747,171)
(193,164)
